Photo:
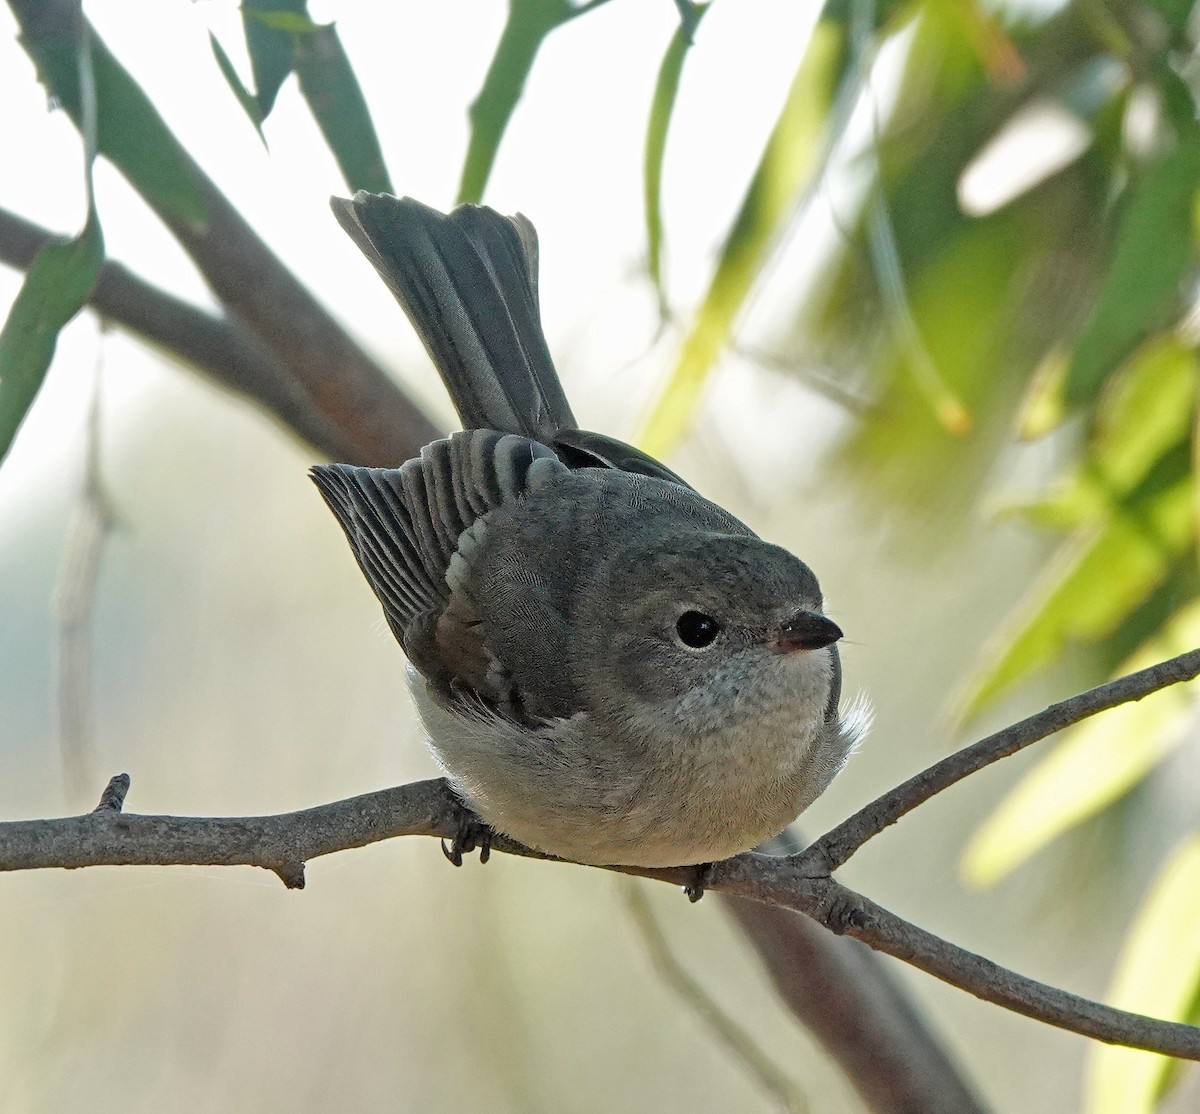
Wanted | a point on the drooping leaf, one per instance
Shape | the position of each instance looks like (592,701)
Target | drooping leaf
(1158,974)
(270,27)
(1152,254)
(61,276)
(529,23)
(786,166)
(281,38)
(244,96)
(335,98)
(662,106)
(1097,763)
(55,288)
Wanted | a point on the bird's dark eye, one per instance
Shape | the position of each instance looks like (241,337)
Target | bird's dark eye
(697,630)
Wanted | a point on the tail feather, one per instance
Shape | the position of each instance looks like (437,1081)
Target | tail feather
(468,282)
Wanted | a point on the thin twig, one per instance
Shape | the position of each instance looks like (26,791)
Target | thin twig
(74,596)
(741,1044)
(284,842)
(836,846)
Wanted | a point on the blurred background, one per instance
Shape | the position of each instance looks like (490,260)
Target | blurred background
(908,287)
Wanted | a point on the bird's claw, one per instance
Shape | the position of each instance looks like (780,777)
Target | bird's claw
(702,876)
(472,832)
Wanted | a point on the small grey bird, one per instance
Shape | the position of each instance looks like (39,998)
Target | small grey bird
(610,668)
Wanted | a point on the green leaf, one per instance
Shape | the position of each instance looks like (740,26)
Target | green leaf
(1096,763)
(271,27)
(336,101)
(56,286)
(787,163)
(1154,250)
(1158,974)
(529,23)
(662,106)
(1149,410)
(129,130)
(244,97)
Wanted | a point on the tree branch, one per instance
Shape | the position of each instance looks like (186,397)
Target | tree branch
(221,349)
(346,387)
(284,842)
(845,996)
(835,847)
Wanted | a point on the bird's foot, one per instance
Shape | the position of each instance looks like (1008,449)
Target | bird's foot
(702,876)
(471,833)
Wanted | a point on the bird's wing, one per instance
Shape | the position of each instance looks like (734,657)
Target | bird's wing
(414,531)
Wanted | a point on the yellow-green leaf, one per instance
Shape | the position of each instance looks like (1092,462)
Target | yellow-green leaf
(1158,974)
(791,154)
(662,106)
(1147,412)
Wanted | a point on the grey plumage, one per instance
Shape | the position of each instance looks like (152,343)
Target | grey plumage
(540,579)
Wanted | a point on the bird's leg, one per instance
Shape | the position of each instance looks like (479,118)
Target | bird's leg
(471,832)
(702,876)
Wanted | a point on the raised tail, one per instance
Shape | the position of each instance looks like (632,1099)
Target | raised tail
(468,282)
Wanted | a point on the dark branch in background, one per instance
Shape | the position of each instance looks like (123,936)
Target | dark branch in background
(223,350)
(350,392)
(348,389)
(843,994)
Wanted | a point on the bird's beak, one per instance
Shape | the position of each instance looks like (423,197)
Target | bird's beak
(806,630)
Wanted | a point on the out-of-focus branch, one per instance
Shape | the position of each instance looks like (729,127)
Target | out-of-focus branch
(842,993)
(727,1032)
(357,399)
(74,594)
(221,349)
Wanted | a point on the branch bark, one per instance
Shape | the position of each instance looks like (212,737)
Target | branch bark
(834,848)
(222,350)
(351,393)
(801,882)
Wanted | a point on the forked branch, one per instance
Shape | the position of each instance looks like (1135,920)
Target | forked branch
(284,843)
